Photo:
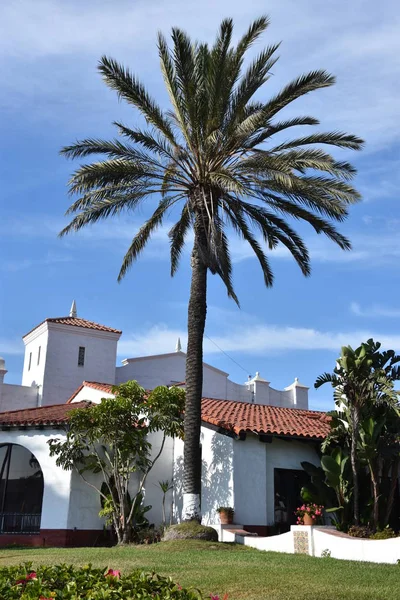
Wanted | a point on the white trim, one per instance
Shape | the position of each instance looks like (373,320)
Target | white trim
(65,327)
(78,330)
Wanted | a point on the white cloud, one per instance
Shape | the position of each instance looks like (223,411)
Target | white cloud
(261,338)
(362,47)
(375,310)
(12,266)
(158,339)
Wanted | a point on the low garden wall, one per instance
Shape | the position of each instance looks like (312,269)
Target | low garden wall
(321,541)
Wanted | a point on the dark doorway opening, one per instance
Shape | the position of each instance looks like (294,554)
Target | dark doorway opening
(21,490)
(287,487)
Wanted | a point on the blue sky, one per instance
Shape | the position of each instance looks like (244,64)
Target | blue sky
(53,95)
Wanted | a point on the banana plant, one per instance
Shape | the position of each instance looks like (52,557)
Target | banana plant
(363,377)
(330,486)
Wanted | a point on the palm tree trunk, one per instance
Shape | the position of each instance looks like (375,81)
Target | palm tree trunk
(355,418)
(393,487)
(194,382)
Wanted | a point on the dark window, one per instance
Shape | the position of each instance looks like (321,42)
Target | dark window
(81,356)
(38,355)
(21,490)
(30,361)
(287,488)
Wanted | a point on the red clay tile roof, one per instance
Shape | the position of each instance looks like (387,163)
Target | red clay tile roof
(102,387)
(245,417)
(76,322)
(56,414)
(229,415)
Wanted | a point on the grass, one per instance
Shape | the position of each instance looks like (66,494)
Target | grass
(241,572)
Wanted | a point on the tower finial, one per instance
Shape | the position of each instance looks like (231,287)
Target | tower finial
(178,347)
(72,312)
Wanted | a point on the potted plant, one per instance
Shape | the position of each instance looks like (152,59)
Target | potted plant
(309,514)
(225,514)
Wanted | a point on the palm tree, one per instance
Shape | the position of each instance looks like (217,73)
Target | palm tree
(214,155)
(362,380)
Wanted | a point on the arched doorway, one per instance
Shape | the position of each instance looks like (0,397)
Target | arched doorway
(21,490)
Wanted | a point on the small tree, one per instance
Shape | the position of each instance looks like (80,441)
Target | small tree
(165,487)
(111,438)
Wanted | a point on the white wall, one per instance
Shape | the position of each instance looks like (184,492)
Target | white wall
(237,391)
(91,394)
(348,548)
(250,481)
(151,371)
(167,369)
(15,397)
(34,375)
(217,475)
(84,503)
(282,454)
(162,471)
(272,543)
(62,374)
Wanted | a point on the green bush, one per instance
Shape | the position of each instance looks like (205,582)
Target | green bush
(66,582)
(385,534)
(360,531)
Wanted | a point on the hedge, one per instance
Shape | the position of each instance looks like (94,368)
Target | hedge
(66,582)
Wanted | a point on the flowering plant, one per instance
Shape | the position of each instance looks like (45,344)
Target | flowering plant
(68,582)
(315,511)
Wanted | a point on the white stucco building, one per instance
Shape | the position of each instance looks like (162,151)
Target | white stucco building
(254,437)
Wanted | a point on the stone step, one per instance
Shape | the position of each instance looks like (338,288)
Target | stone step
(241,532)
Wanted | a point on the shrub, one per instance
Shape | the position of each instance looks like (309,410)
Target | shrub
(385,534)
(148,535)
(190,530)
(80,583)
(360,531)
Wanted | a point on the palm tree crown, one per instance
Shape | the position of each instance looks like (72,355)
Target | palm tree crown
(214,153)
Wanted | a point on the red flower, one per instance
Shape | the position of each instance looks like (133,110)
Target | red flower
(216,597)
(113,573)
(31,576)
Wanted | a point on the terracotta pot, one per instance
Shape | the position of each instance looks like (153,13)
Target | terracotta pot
(308,520)
(225,517)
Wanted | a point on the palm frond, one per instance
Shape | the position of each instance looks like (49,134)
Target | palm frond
(301,86)
(177,237)
(238,221)
(133,91)
(142,237)
(334,138)
(102,209)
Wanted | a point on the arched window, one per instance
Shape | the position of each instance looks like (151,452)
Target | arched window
(21,490)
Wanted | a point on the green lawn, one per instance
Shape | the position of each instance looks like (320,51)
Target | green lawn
(241,572)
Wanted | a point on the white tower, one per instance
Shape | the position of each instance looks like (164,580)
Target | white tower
(62,352)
